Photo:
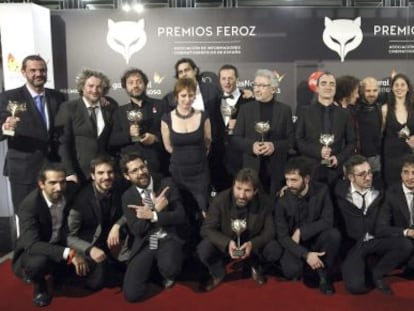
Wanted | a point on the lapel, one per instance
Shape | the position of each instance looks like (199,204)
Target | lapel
(84,114)
(316,119)
(45,219)
(402,203)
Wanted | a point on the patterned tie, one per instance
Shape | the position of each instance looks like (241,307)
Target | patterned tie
(147,200)
(40,107)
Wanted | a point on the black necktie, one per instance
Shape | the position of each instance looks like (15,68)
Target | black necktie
(364,203)
(92,116)
(228,96)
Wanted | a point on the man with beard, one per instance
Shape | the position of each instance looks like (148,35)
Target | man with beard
(33,142)
(359,204)
(264,132)
(94,225)
(153,209)
(240,207)
(304,220)
(41,249)
(142,135)
(85,124)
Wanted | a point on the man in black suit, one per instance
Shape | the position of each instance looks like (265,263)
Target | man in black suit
(304,219)
(208,98)
(34,141)
(144,135)
(85,124)
(94,225)
(266,153)
(253,211)
(232,100)
(41,246)
(359,206)
(153,209)
(397,214)
(325,118)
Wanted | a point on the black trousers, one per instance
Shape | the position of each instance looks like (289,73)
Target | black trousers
(327,241)
(390,251)
(215,259)
(168,256)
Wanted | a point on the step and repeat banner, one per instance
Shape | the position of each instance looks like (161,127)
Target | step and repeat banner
(293,42)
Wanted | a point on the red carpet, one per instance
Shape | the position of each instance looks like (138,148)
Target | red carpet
(232,295)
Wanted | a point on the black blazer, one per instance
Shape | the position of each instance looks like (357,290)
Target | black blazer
(78,143)
(280,134)
(217,225)
(32,143)
(395,216)
(320,217)
(353,223)
(168,218)
(309,128)
(36,230)
(85,218)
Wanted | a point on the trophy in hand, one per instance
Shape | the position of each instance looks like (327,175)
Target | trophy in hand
(228,113)
(326,140)
(135,117)
(238,226)
(404,133)
(14,107)
(262,128)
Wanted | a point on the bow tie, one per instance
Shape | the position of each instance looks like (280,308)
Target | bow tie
(228,96)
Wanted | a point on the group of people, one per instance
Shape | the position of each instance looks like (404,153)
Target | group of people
(102,190)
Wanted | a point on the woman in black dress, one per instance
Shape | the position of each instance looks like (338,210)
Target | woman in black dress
(186,134)
(398,125)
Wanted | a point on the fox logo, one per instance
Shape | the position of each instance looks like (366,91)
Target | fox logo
(126,38)
(342,35)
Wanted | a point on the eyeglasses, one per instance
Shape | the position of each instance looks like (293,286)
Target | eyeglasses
(261,86)
(363,174)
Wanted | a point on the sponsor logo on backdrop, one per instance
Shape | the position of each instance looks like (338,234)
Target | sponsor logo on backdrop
(342,35)
(126,37)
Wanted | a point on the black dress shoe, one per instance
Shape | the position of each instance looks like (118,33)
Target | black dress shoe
(41,297)
(383,287)
(258,276)
(211,284)
(168,283)
(326,287)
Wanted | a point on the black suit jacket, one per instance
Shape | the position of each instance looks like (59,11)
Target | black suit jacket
(168,218)
(36,230)
(395,216)
(320,217)
(309,128)
(152,109)
(217,225)
(32,143)
(78,143)
(85,219)
(353,223)
(280,134)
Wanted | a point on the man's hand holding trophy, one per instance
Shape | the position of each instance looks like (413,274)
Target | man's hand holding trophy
(14,108)
(326,153)
(236,250)
(135,117)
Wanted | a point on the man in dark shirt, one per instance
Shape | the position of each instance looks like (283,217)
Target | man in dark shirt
(304,220)
(142,135)
(245,210)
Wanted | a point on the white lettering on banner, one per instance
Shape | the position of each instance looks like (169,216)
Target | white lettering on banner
(393,30)
(206,31)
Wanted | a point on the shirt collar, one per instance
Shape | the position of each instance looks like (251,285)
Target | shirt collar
(406,190)
(354,190)
(88,104)
(50,204)
(33,93)
(150,187)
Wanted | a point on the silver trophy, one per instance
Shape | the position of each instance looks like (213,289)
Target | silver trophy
(238,226)
(326,140)
(135,117)
(228,114)
(14,107)
(404,133)
(262,128)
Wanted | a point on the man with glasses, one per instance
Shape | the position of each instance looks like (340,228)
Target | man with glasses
(325,132)
(397,214)
(264,132)
(359,206)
